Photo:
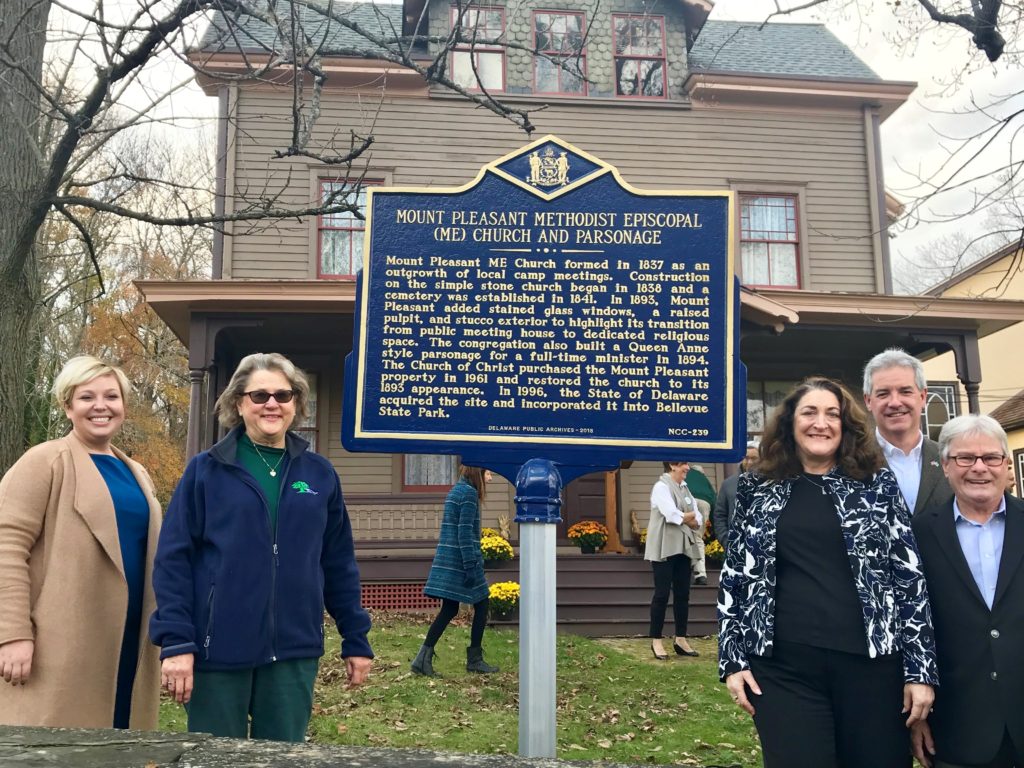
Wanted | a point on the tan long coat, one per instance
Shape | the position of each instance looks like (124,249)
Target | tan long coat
(62,585)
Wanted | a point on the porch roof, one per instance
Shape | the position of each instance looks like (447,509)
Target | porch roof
(776,310)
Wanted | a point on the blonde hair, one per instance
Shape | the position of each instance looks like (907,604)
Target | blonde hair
(81,370)
(227,404)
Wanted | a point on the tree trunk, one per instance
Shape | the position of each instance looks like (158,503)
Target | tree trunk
(23,30)
(19,309)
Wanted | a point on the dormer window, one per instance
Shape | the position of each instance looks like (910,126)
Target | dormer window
(639,56)
(560,66)
(477,66)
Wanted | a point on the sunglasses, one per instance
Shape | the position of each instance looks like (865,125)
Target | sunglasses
(261,396)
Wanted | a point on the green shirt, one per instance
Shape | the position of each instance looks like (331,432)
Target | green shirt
(258,461)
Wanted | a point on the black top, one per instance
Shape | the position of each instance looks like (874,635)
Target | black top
(816,601)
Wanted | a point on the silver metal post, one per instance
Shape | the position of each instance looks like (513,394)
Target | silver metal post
(538,501)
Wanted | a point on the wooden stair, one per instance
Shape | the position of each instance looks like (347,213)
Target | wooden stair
(597,595)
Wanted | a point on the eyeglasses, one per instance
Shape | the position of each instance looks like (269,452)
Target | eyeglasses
(261,396)
(989,459)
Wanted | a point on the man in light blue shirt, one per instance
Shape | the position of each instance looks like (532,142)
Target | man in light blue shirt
(972,552)
(895,392)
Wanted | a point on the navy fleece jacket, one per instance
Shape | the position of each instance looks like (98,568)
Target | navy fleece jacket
(238,594)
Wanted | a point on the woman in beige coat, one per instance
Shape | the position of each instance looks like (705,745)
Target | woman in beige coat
(78,530)
(673,543)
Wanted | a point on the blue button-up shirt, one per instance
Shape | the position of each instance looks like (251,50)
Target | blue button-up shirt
(982,545)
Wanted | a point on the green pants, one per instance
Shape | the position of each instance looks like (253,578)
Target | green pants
(278,697)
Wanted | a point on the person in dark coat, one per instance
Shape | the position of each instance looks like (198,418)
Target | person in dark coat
(457,574)
(256,543)
(725,503)
(971,548)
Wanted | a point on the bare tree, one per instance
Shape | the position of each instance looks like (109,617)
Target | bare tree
(74,78)
(985,20)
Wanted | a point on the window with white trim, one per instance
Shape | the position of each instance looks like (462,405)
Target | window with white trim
(479,66)
(769,240)
(941,405)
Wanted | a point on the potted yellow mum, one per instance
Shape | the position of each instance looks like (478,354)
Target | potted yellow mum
(504,599)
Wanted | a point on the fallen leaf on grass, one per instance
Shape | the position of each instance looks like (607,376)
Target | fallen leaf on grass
(604,744)
(342,728)
(577,746)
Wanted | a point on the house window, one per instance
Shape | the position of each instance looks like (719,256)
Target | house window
(561,64)
(762,398)
(307,428)
(943,404)
(476,66)
(426,472)
(639,56)
(340,235)
(769,241)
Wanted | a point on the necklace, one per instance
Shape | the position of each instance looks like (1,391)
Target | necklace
(810,479)
(273,469)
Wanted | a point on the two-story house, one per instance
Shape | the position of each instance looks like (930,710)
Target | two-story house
(784,115)
(997,276)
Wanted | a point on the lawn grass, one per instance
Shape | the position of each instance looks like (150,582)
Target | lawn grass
(615,700)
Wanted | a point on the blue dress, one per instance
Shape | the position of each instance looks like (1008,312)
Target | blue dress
(132,511)
(458,569)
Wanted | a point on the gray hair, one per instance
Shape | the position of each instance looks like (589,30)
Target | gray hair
(894,358)
(227,404)
(971,425)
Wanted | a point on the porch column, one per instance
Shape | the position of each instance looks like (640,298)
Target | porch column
(195,410)
(611,512)
(968,361)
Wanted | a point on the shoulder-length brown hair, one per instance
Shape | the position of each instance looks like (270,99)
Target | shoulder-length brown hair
(858,456)
(475,477)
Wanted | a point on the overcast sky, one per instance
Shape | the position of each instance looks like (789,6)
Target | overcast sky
(916,140)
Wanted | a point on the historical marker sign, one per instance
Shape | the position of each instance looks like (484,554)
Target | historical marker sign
(547,308)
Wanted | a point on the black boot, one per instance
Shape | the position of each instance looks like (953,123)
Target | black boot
(423,664)
(475,661)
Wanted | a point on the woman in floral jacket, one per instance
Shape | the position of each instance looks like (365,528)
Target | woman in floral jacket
(825,633)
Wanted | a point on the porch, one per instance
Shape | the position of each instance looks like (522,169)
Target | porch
(600,595)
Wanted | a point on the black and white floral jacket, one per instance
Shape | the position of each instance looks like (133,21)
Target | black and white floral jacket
(883,558)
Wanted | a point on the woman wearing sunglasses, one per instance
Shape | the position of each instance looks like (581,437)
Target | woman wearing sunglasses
(256,543)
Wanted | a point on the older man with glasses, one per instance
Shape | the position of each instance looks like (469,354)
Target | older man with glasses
(971,548)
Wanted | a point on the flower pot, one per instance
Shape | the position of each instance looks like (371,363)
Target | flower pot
(512,614)
(490,565)
(586,549)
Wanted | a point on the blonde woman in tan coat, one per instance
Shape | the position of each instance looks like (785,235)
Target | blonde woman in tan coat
(78,530)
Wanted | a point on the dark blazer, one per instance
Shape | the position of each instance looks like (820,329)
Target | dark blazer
(934,489)
(981,652)
(721,514)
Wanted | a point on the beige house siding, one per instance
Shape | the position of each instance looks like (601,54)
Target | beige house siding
(823,153)
(1000,352)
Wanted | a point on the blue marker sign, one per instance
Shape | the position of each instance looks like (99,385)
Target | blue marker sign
(547,308)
